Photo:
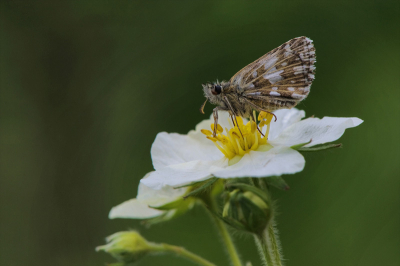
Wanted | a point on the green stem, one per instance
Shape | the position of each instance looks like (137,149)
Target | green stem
(268,241)
(263,245)
(268,246)
(180,251)
(230,247)
(273,234)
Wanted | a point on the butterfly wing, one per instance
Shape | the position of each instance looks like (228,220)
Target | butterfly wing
(280,78)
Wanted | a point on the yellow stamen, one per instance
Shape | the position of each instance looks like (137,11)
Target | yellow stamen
(262,115)
(206,132)
(212,138)
(253,127)
(222,149)
(269,118)
(240,138)
(255,144)
(240,121)
(219,128)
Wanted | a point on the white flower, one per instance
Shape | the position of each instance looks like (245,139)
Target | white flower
(139,208)
(182,159)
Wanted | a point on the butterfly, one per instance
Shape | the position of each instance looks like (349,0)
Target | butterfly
(279,79)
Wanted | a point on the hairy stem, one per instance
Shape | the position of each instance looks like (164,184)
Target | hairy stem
(263,245)
(276,245)
(268,241)
(269,247)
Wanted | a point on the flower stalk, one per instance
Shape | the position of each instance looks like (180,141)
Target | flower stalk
(267,241)
(182,252)
(211,204)
(268,246)
(129,247)
(276,246)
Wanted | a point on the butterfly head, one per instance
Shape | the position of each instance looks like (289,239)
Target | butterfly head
(214,91)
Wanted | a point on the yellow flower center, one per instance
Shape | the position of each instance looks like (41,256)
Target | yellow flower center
(241,138)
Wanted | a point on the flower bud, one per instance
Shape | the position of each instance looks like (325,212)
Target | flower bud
(247,210)
(126,247)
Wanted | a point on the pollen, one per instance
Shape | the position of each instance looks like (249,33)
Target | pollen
(241,138)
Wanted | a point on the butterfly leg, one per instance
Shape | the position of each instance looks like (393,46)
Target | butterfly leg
(233,121)
(215,114)
(232,113)
(255,121)
(237,125)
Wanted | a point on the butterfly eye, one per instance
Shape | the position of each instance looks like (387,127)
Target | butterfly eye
(216,90)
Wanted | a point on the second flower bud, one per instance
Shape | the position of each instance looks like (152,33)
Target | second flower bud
(247,208)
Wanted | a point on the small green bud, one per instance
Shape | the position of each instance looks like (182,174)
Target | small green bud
(247,210)
(126,247)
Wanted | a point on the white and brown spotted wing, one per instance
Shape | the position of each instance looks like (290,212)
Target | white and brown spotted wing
(280,78)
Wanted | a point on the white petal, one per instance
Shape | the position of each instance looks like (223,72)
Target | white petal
(139,208)
(174,148)
(275,162)
(318,130)
(182,174)
(285,118)
(133,209)
(159,197)
(169,149)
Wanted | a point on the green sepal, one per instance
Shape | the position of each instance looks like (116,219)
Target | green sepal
(256,217)
(229,221)
(247,208)
(278,182)
(177,203)
(233,223)
(298,146)
(193,183)
(250,220)
(321,147)
(181,208)
(169,206)
(201,187)
(246,187)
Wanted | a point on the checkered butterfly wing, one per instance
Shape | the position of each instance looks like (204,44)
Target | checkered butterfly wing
(280,78)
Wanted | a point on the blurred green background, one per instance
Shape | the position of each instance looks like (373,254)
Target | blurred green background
(87,85)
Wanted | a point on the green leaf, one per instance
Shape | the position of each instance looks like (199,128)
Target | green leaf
(202,187)
(298,146)
(193,184)
(278,182)
(321,147)
(169,206)
(182,208)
